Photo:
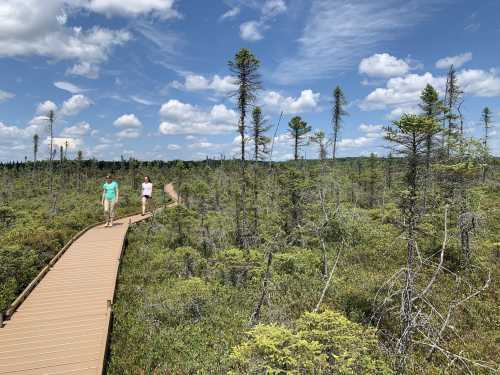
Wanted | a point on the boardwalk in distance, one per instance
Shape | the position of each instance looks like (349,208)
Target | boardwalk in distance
(62,327)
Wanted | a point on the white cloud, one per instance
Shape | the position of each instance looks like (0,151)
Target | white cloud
(457,61)
(307,101)
(129,133)
(79,130)
(272,8)
(479,82)
(231,13)
(251,31)
(34,27)
(383,65)
(128,121)
(75,105)
(73,143)
(194,82)
(4,95)
(67,86)
(173,147)
(337,34)
(84,69)
(184,118)
(204,145)
(160,8)
(401,92)
(355,142)
(140,100)
(46,107)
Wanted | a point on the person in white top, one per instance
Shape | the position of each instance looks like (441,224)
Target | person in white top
(147,193)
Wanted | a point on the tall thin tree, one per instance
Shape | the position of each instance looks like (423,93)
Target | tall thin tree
(244,69)
(319,138)
(36,140)
(410,134)
(298,131)
(486,118)
(338,112)
(260,143)
(452,97)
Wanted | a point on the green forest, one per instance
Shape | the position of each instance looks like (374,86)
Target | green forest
(363,265)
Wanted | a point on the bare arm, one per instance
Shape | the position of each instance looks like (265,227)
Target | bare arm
(103,195)
(117,194)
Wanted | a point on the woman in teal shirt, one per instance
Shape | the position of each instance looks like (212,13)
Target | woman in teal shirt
(109,199)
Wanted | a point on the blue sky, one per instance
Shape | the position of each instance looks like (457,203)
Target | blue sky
(149,78)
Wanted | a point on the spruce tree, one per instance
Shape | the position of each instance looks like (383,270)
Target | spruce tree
(452,97)
(320,139)
(410,134)
(338,112)
(298,131)
(261,142)
(486,118)
(244,68)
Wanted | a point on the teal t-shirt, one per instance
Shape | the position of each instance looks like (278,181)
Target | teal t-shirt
(110,190)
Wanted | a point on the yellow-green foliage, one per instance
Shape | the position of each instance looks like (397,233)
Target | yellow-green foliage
(325,342)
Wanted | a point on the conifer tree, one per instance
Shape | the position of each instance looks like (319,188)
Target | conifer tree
(410,134)
(372,179)
(36,140)
(452,97)
(298,131)
(431,107)
(338,112)
(320,139)
(244,68)
(486,118)
(261,142)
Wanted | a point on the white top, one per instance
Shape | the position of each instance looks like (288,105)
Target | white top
(147,188)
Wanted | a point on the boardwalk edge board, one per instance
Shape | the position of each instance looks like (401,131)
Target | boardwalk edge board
(26,292)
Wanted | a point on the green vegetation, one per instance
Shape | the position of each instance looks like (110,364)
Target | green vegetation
(364,265)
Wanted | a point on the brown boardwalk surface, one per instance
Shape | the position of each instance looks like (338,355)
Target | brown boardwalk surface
(62,326)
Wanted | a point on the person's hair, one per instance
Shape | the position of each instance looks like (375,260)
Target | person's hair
(108,177)
(149,180)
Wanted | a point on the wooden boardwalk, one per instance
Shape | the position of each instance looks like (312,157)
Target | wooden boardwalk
(62,326)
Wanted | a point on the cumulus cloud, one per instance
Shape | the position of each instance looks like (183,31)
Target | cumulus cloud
(128,121)
(71,143)
(161,8)
(479,82)
(383,65)
(457,61)
(69,87)
(173,147)
(195,82)
(79,130)
(4,95)
(308,101)
(402,92)
(46,107)
(34,27)
(128,133)
(183,118)
(272,8)
(75,105)
(251,31)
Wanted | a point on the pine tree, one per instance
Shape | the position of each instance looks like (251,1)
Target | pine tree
(452,97)
(36,140)
(298,130)
(372,180)
(245,72)
(261,142)
(431,107)
(338,112)
(320,139)
(486,117)
(410,135)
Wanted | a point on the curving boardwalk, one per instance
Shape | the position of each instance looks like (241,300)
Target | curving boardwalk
(62,326)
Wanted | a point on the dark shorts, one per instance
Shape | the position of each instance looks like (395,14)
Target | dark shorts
(147,196)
